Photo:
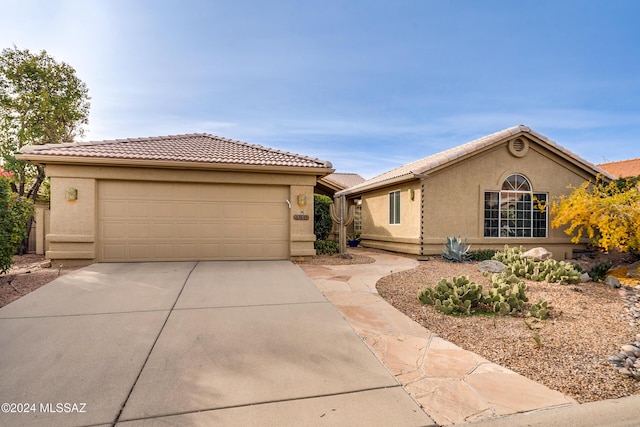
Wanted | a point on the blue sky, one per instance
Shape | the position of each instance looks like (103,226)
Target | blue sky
(369,85)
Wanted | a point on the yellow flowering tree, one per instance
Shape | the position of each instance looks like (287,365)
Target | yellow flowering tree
(606,213)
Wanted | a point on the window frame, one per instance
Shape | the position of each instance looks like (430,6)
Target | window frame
(394,207)
(514,211)
(357,218)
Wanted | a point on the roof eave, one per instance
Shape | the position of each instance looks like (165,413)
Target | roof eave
(380,184)
(173,164)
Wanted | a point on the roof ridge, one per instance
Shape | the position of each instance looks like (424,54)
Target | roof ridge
(211,148)
(432,161)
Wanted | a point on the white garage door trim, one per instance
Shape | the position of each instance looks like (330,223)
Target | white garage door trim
(168,221)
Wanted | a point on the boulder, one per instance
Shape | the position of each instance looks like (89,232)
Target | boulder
(491,266)
(584,277)
(612,281)
(634,270)
(539,254)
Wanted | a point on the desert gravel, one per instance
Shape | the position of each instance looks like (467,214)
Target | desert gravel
(587,324)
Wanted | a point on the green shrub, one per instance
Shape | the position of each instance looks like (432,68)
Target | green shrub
(15,211)
(481,254)
(455,249)
(326,247)
(599,272)
(322,222)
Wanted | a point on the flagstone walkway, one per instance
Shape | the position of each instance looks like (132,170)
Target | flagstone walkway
(451,384)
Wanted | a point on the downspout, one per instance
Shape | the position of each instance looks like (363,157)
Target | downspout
(342,236)
(422,177)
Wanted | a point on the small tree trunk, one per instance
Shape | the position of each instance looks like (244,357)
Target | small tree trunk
(24,246)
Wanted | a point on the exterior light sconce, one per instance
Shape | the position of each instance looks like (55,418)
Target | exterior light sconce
(71,194)
(302,200)
(412,193)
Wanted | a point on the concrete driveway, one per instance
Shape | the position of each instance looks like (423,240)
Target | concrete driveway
(190,343)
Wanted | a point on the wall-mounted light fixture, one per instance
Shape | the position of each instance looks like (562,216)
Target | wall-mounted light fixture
(302,200)
(412,193)
(71,194)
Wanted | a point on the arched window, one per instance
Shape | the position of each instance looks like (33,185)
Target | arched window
(515,210)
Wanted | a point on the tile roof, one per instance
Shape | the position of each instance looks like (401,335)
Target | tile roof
(429,163)
(622,168)
(197,148)
(344,180)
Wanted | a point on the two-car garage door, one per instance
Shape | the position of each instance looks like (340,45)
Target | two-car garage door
(167,221)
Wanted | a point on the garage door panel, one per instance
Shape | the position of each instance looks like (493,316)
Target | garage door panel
(145,221)
(212,210)
(139,230)
(186,229)
(140,209)
(163,210)
(163,230)
(114,209)
(113,230)
(113,251)
(188,210)
(139,251)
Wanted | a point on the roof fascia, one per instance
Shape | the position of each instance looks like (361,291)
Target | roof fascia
(381,184)
(168,164)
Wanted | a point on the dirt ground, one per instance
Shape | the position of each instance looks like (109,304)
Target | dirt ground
(28,273)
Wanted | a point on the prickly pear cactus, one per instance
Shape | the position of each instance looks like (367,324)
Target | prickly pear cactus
(460,296)
(539,310)
(549,270)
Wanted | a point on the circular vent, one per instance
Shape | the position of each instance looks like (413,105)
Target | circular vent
(519,147)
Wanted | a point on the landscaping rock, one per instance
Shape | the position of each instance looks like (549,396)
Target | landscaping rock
(491,266)
(627,360)
(634,270)
(539,254)
(612,282)
(584,277)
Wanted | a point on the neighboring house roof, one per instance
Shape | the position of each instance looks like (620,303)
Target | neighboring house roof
(423,166)
(330,184)
(622,168)
(344,180)
(194,148)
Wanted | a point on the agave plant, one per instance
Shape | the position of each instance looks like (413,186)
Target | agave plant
(456,249)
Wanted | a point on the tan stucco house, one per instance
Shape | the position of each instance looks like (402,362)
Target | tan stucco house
(490,191)
(183,197)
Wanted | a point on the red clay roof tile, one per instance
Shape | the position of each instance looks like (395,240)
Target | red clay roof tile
(199,148)
(622,168)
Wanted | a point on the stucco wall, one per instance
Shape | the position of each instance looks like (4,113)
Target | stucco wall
(453,202)
(377,232)
(73,231)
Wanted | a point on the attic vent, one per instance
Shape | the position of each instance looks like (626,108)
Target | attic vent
(519,147)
